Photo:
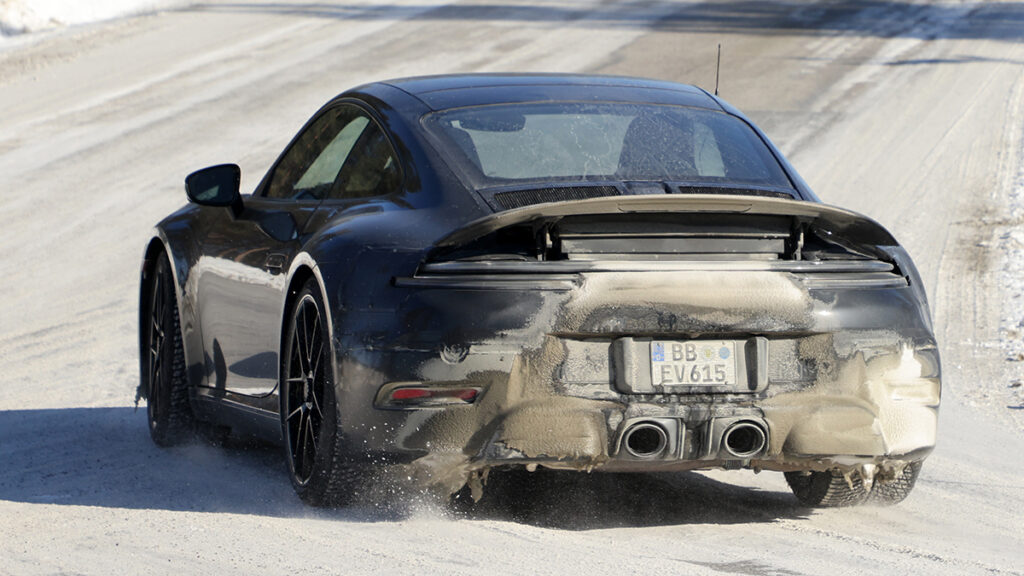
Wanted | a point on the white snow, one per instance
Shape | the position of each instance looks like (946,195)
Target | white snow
(1010,241)
(22,16)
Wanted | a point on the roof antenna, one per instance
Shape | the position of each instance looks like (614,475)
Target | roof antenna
(718,66)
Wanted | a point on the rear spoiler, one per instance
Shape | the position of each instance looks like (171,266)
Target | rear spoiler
(830,222)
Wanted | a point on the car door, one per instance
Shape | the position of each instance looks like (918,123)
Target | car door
(244,258)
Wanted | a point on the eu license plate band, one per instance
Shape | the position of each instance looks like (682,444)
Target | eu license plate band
(693,363)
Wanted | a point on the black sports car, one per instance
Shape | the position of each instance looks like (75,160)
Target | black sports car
(458,273)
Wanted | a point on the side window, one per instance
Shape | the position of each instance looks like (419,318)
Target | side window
(310,168)
(371,168)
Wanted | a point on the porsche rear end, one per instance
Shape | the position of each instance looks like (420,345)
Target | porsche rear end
(667,332)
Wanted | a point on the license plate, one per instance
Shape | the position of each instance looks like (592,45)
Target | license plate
(693,363)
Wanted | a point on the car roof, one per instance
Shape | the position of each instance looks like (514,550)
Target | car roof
(455,91)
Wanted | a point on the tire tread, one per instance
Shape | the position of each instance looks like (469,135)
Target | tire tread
(179,425)
(828,489)
(895,490)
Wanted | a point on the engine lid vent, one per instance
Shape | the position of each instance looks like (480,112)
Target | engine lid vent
(676,237)
(697,189)
(519,198)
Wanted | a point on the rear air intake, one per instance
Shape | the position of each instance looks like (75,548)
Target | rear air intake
(520,198)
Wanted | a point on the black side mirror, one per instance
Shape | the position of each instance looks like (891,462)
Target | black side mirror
(216,186)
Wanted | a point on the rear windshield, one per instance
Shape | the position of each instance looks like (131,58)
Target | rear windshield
(513,143)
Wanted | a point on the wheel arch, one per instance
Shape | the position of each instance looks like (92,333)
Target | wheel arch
(154,249)
(304,268)
(159,244)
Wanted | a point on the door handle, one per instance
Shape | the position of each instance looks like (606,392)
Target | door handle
(274,263)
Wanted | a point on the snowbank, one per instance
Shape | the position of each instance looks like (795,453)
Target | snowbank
(1011,243)
(21,16)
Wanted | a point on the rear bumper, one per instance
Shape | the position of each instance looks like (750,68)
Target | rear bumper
(877,410)
(833,378)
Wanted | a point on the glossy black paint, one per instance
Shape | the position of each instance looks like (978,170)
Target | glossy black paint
(215,186)
(237,271)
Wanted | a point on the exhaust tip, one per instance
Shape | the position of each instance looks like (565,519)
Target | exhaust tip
(744,439)
(645,440)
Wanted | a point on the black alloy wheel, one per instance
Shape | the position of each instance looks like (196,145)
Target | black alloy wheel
(167,398)
(306,382)
(320,472)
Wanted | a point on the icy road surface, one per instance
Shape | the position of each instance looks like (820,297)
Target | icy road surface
(910,112)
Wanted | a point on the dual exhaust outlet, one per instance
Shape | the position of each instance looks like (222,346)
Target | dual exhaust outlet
(741,439)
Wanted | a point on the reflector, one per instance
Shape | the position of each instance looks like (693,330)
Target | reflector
(410,393)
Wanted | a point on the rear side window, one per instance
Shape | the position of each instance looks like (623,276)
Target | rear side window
(507,144)
(370,169)
(325,167)
(342,154)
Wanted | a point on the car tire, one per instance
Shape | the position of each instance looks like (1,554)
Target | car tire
(168,407)
(828,489)
(895,490)
(321,471)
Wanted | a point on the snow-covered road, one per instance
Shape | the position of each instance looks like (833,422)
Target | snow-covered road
(911,112)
